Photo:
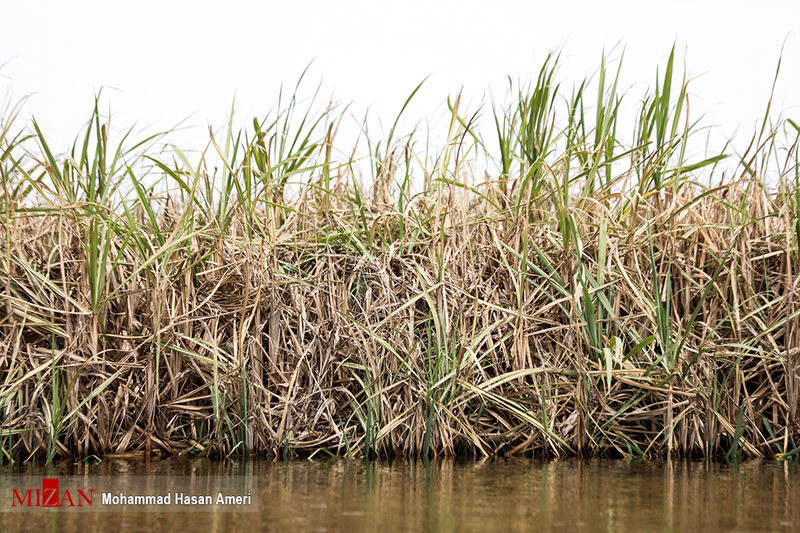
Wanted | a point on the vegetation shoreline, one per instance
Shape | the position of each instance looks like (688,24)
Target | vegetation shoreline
(584,297)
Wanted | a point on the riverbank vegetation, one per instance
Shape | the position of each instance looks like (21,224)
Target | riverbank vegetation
(581,295)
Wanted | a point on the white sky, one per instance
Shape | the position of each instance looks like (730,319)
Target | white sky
(161,61)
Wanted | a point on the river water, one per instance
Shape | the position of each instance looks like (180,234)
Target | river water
(490,495)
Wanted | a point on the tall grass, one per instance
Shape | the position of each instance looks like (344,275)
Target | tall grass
(585,296)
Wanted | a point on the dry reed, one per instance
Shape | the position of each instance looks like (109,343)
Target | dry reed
(585,298)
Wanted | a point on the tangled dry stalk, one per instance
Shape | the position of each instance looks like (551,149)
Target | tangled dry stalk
(586,299)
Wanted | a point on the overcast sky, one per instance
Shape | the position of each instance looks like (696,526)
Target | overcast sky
(163,61)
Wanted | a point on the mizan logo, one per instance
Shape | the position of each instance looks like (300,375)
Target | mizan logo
(50,496)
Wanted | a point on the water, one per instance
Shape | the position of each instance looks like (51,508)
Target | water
(501,495)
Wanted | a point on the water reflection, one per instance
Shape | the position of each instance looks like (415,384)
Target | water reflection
(503,495)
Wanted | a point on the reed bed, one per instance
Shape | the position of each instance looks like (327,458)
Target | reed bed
(581,296)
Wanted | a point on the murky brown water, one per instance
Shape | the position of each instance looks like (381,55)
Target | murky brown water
(498,495)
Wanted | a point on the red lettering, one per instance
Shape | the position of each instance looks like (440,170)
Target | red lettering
(67,497)
(48,496)
(82,497)
(50,492)
(15,497)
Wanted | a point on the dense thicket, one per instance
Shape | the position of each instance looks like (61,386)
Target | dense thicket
(584,295)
